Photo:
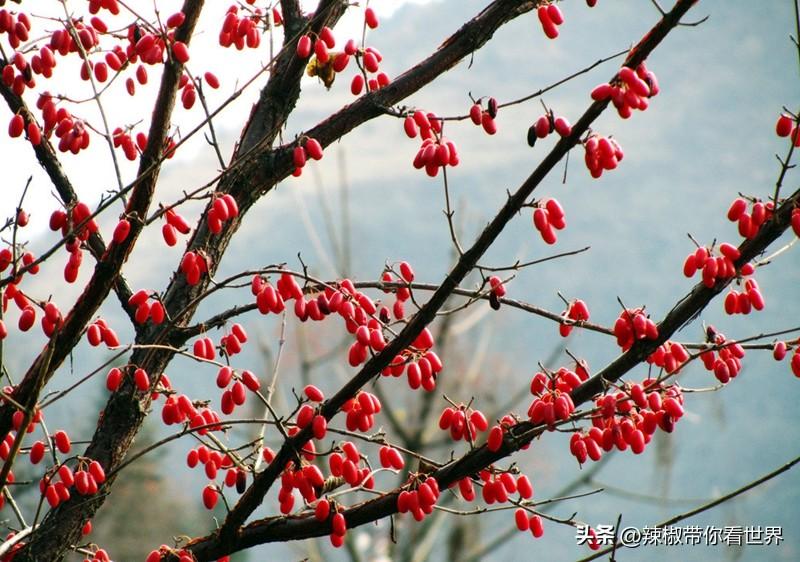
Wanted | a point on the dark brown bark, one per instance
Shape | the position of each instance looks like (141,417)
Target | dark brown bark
(62,526)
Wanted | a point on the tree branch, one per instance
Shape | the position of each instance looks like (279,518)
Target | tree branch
(229,538)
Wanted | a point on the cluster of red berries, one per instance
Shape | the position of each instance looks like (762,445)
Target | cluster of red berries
(496,434)
(177,409)
(420,498)
(60,440)
(72,268)
(525,522)
(212,461)
(42,62)
(361,410)
(308,415)
(319,45)
(76,220)
(550,17)
(269,299)
(188,91)
(421,365)
(390,457)
(302,152)
(141,78)
(86,482)
(201,417)
(727,361)
(628,418)
(786,126)
(576,312)
(749,299)
(497,290)
(347,466)
(182,555)
(241,32)
(546,124)
(322,512)
(18,27)
(631,90)
(601,153)
(436,151)
(463,422)
(670,356)
(140,378)
(715,268)
(96,5)
(779,351)
(146,308)
(100,332)
(370,60)
(203,348)
(485,117)
(307,479)
(236,395)
(232,342)
(552,402)
(498,487)
(402,294)
(223,209)
(633,325)
(151,47)
(18,75)
(7,256)
(50,321)
(193,266)
(130,148)
(750,223)
(548,216)
(327,64)
(73,134)
(175,224)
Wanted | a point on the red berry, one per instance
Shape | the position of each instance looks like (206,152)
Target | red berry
(313,149)
(495,440)
(16,125)
(737,209)
(304,47)
(181,52)
(537,529)
(313,393)
(357,85)
(338,524)
(779,350)
(210,496)
(323,510)
(37,452)
(406,272)
(62,441)
(121,231)
(521,518)
(475,114)
(141,379)
(370,18)
(113,379)
(27,318)
(299,156)
(784,125)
